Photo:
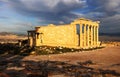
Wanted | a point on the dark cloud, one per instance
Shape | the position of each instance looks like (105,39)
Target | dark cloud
(108,12)
(54,6)
(110,7)
(62,11)
(110,24)
(56,10)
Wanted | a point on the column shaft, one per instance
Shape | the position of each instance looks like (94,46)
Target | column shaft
(97,35)
(88,37)
(91,34)
(94,36)
(81,39)
(84,35)
(31,39)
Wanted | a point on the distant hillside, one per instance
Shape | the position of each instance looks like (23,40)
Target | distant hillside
(6,33)
(10,33)
(109,34)
(11,37)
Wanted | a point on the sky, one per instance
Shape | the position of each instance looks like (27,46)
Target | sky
(22,15)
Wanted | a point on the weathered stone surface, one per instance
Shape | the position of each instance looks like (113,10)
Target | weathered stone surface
(81,33)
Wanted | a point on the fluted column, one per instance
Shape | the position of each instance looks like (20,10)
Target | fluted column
(36,39)
(91,36)
(31,39)
(88,37)
(97,34)
(94,35)
(81,39)
(84,35)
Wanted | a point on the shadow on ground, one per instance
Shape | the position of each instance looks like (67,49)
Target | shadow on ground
(13,66)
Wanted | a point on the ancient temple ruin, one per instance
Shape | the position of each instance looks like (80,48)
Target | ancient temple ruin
(81,33)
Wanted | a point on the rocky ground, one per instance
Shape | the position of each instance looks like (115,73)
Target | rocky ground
(94,63)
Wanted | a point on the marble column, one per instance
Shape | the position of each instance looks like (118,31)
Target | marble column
(88,37)
(97,35)
(81,39)
(31,39)
(94,35)
(84,35)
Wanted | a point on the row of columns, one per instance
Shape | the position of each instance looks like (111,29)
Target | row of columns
(30,41)
(31,38)
(88,36)
(34,39)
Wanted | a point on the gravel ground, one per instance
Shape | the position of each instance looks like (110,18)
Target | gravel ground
(101,61)
(104,58)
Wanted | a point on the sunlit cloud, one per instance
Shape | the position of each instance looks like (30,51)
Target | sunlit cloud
(64,11)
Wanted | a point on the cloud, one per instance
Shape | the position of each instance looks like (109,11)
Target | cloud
(54,6)
(4,17)
(108,12)
(55,10)
(113,5)
(63,11)
(111,24)
(110,7)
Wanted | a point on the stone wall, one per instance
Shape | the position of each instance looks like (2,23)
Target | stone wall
(81,33)
(62,35)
